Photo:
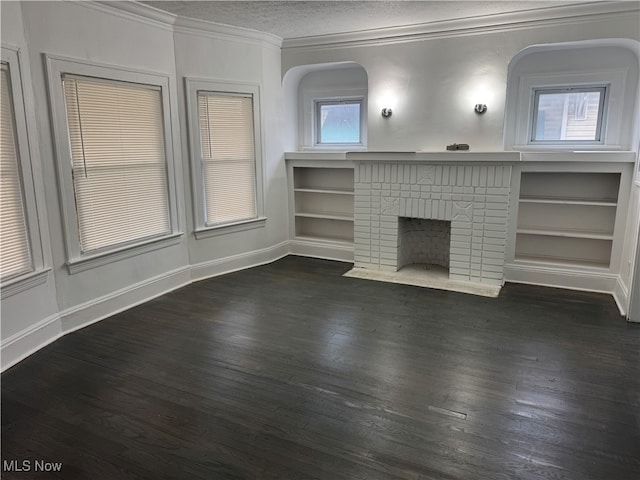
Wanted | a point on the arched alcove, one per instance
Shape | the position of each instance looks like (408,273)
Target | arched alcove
(610,62)
(301,84)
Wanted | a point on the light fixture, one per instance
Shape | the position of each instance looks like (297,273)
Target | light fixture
(480,108)
(386,112)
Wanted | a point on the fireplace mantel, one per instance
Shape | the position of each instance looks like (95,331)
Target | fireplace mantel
(434,157)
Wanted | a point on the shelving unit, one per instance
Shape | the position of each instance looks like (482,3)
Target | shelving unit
(567,218)
(323,203)
(321,192)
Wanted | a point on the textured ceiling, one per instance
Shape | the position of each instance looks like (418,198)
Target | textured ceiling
(293,19)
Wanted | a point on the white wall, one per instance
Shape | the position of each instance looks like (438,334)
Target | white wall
(76,31)
(630,261)
(34,309)
(110,35)
(212,57)
(433,81)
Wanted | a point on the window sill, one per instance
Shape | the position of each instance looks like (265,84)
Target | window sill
(214,231)
(24,282)
(567,148)
(78,265)
(346,147)
(585,156)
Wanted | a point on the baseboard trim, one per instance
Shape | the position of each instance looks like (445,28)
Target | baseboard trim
(28,341)
(242,261)
(327,251)
(621,296)
(87,313)
(557,278)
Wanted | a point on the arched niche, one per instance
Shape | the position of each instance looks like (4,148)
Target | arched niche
(301,83)
(609,61)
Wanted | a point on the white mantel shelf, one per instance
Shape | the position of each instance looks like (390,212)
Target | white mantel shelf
(466,156)
(407,157)
(434,157)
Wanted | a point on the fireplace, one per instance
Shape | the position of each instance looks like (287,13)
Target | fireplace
(470,197)
(424,242)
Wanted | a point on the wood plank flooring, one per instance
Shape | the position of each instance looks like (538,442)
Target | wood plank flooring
(291,371)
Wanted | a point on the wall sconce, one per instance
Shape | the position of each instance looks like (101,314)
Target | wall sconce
(386,112)
(480,108)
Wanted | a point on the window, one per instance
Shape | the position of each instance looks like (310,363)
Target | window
(572,115)
(226,156)
(118,163)
(22,264)
(115,160)
(15,249)
(331,107)
(338,122)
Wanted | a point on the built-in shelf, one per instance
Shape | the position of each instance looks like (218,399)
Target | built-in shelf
(323,204)
(567,218)
(345,242)
(566,233)
(332,191)
(327,215)
(555,261)
(569,201)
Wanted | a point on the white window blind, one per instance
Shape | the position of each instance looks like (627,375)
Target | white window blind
(228,157)
(15,250)
(118,159)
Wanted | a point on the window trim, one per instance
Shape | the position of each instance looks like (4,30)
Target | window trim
(28,154)
(519,112)
(307,116)
(192,87)
(602,112)
(317,106)
(56,67)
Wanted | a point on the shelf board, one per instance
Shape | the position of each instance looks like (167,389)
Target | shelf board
(344,241)
(326,215)
(572,262)
(336,191)
(570,201)
(593,235)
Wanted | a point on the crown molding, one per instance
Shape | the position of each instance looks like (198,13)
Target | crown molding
(576,13)
(149,15)
(221,31)
(132,11)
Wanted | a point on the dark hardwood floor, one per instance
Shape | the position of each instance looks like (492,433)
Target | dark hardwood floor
(291,371)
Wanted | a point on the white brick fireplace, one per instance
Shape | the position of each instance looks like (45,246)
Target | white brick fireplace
(470,190)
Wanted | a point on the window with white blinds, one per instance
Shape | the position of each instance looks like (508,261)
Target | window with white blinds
(119,169)
(15,252)
(228,154)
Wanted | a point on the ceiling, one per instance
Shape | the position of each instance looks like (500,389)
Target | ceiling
(294,19)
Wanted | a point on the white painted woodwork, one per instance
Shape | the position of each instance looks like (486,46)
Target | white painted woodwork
(321,196)
(569,219)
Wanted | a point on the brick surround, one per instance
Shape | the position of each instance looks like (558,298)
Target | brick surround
(473,197)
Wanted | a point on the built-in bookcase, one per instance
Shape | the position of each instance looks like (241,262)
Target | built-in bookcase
(323,203)
(567,218)
(321,193)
